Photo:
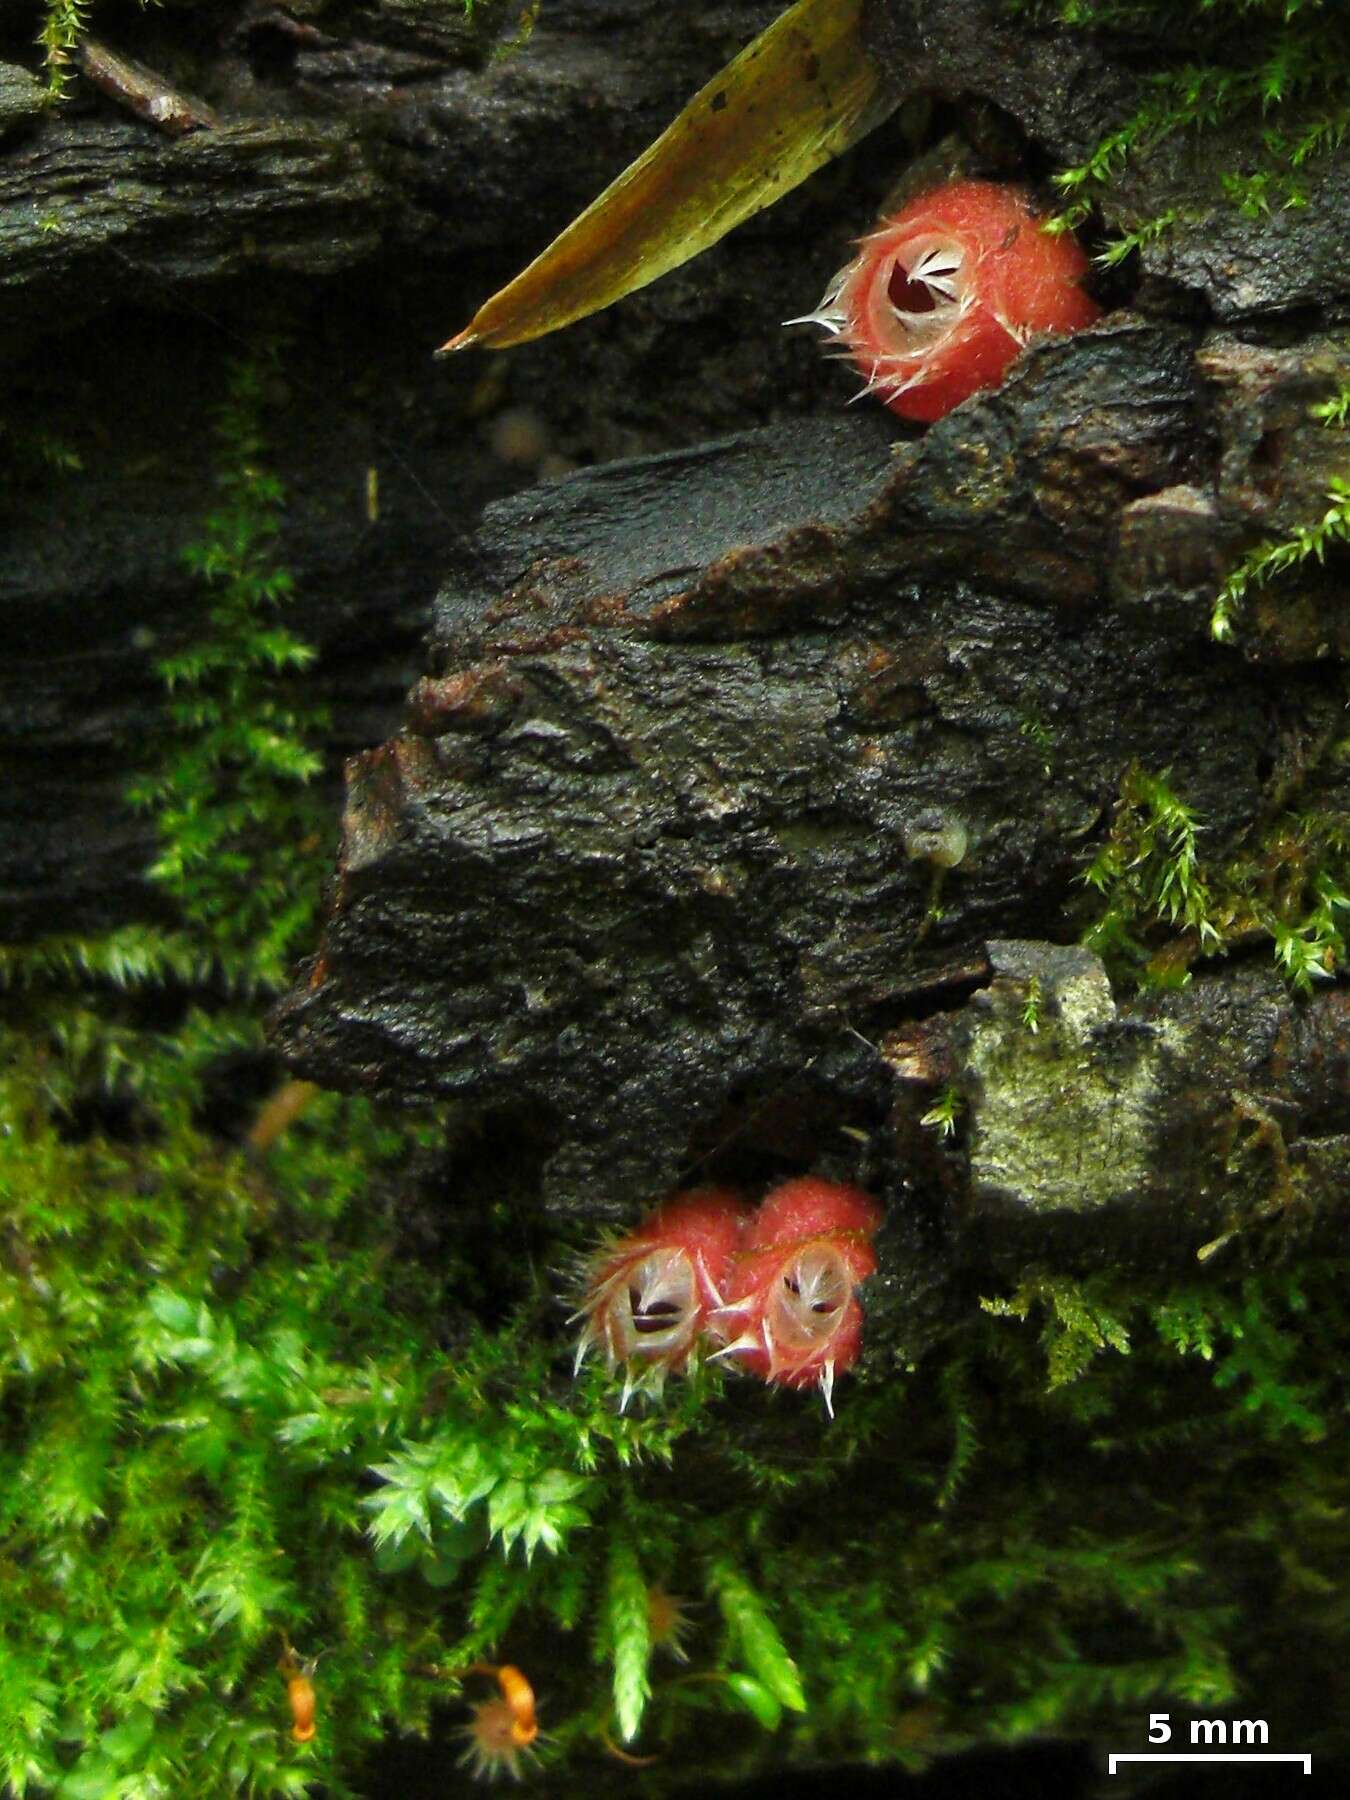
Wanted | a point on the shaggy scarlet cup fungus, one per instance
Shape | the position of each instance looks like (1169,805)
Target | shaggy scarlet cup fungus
(791,1295)
(647,1297)
(946,292)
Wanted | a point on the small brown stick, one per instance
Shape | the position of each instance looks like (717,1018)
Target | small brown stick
(140,90)
(278,1113)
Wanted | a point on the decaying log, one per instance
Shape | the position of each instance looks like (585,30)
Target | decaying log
(651,866)
(350,208)
(648,872)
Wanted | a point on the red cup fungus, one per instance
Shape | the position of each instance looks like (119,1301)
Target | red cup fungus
(775,1290)
(790,1301)
(947,291)
(648,1296)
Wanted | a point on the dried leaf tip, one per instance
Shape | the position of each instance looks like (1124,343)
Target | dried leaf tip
(462,340)
(798,94)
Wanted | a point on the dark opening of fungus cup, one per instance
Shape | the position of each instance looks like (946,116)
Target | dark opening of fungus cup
(945,293)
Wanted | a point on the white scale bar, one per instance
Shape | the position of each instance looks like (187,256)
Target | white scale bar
(1121,1756)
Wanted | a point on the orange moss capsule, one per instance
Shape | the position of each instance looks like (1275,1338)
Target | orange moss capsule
(500,1732)
(519,1696)
(298,1677)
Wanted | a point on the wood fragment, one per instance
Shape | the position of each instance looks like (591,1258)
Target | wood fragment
(141,91)
(279,1113)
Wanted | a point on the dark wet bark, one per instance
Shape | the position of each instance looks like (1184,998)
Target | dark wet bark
(654,864)
(636,879)
(374,173)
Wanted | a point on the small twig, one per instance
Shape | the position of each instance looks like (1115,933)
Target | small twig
(278,1113)
(140,90)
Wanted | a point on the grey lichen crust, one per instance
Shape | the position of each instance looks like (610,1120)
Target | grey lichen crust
(20,98)
(1185,1113)
(1060,1117)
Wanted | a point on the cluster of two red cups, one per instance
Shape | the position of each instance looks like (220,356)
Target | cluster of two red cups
(770,1289)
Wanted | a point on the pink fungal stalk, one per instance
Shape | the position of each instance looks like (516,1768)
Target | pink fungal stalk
(647,1298)
(791,1303)
(945,293)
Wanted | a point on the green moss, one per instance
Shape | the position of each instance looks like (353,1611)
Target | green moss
(236,1412)
(1164,906)
(32,456)
(64,23)
(1282,67)
(1149,872)
(943,1114)
(1307,543)
(230,790)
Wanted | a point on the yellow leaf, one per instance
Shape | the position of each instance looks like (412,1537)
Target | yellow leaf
(798,95)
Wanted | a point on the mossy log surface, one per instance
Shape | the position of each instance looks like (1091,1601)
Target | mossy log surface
(637,868)
(639,871)
(1065,92)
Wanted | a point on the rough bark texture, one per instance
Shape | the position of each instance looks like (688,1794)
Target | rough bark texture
(367,186)
(648,863)
(641,860)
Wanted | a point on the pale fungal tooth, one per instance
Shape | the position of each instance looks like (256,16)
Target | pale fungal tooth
(827,1387)
(746,1341)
